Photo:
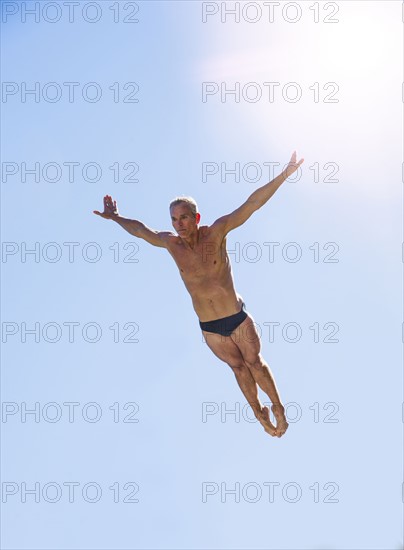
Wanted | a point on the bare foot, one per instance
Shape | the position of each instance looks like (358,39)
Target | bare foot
(263,417)
(281,423)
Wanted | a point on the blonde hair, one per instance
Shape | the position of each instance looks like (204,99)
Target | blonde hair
(186,200)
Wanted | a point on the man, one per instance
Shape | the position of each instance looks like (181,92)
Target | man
(201,256)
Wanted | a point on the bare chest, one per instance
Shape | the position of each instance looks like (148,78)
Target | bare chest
(206,259)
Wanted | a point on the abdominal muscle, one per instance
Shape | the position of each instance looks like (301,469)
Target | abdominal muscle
(214,299)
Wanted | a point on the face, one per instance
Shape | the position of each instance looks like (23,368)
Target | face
(183,221)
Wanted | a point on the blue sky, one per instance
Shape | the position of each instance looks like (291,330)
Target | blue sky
(137,352)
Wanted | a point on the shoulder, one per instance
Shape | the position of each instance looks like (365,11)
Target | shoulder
(166,234)
(208,232)
(216,231)
(168,237)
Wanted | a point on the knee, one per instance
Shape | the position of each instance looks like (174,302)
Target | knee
(237,365)
(255,362)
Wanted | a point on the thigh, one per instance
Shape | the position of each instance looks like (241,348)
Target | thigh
(224,348)
(247,339)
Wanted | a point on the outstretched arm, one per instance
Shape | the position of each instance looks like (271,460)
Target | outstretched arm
(134,227)
(257,199)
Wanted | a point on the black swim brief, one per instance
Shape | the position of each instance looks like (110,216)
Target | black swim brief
(226,325)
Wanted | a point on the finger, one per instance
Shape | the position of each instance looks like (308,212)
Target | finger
(96,212)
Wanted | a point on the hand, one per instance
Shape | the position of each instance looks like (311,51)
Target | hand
(292,166)
(110,209)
